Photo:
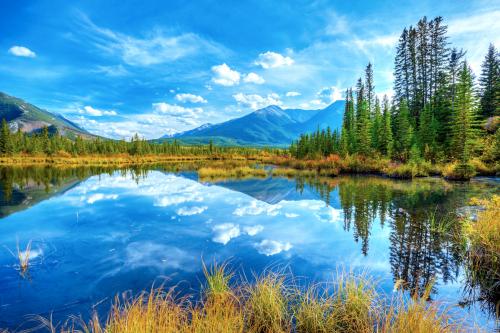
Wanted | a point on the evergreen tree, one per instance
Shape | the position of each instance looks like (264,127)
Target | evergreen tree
(464,116)
(403,132)
(369,88)
(5,139)
(363,125)
(427,133)
(377,129)
(385,141)
(490,84)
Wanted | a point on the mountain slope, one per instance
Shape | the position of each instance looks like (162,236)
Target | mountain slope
(30,118)
(270,126)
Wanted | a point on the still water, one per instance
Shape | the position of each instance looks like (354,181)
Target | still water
(97,234)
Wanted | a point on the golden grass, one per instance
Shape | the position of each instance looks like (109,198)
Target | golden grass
(115,159)
(418,316)
(24,258)
(218,173)
(269,305)
(483,255)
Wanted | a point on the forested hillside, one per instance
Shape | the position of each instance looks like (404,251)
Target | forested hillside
(440,111)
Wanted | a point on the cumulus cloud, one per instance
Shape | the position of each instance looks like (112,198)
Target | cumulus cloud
(176,110)
(184,98)
(292,94)
(271,59)
(328,95)
(253,229)
(184,211)
(21,51)
(253,78)
(291,215)
(223,233)
(96,112)
(255,101)
(272,247)
(225,76)
(100,196)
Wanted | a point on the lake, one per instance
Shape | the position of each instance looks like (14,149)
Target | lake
(97,233)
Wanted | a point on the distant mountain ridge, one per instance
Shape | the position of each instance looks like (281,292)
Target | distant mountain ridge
(31,119)
(269,126)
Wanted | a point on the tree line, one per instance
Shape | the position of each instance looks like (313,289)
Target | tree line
(438,112)
(45,142)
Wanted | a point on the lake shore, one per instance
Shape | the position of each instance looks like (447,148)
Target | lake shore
(329,167)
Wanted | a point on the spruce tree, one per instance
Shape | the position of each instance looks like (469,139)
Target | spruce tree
(369,88)
(489,84)
(386,141)
(5,139)
(464,116)
(376,130)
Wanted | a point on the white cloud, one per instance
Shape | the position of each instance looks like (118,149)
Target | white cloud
(255,101)
(257,208)
(254,78)
(183,211)
(291,215)
(225,76)
(176,110)
(253,230)
(271,59)
(292,94)
(272,247)
(96,112)
(184,98)
(100,196)
(474,33)
(156,48)
(223,233)
(329,95)
(21,51)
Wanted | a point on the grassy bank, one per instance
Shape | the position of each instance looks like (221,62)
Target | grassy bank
(114,160)
(483,264)
(273,303)
(357,164)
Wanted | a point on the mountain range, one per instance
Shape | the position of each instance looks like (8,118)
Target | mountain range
(31,119)
(270,126)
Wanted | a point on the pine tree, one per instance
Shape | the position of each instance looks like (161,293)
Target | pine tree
(403,132)
(427,133)
(490,84)
(5,139)
(385,141)
(369,88)
(464,116)
(376,130)
(363,124)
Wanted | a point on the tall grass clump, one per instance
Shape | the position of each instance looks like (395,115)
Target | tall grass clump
(417,315)
(483,255)
(24,258)
(216,173)
(350,307)
(267,305)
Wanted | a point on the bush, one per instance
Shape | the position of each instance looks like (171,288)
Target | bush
(459,171)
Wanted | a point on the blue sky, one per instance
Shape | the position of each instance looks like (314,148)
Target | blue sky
(158,67)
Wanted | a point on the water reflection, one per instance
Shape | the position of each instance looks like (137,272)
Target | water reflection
(104,231)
